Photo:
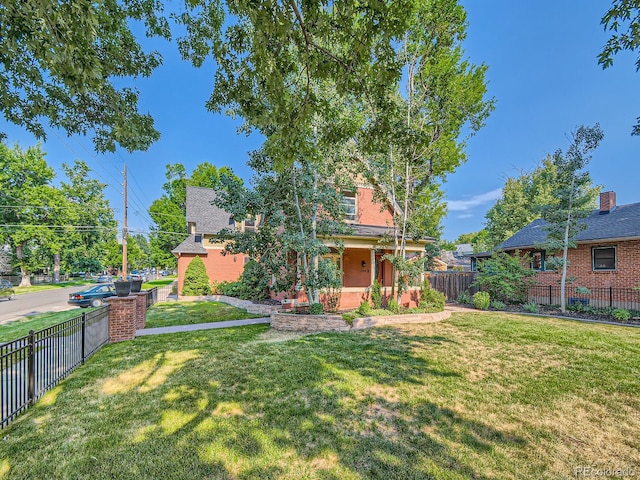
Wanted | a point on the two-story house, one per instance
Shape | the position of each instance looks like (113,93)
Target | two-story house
(361,260)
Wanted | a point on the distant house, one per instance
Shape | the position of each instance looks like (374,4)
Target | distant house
(204,222)
(458,259)
(361,260)
(607,253)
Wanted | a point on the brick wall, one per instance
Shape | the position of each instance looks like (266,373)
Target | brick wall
(369,212)
(122,318)
(219,267)
(626,274)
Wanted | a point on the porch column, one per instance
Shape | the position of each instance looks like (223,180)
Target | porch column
(372,263)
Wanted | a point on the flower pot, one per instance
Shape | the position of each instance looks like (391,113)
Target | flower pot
(136,285)
(122,288)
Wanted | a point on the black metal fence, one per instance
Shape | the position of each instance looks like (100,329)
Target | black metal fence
(32,365)
(160,294)
(608,297)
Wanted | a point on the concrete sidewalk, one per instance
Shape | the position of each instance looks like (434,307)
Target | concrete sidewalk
(202,326)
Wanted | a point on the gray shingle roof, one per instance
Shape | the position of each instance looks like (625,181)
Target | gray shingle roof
(374,231)
(623,222)
(189,246)
(200,210)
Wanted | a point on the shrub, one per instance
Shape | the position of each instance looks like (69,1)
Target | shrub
(349,317)
(464,298)
(506,277)
(481,300)
(393,306)
(254,282)
(376,295)
(431,298)
(230,289)
(316,309)
(196,280)
(530,307)
(621,314)
(364,308)
(498,305)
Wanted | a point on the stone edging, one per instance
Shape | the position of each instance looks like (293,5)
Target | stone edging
(251,307)
(335,323)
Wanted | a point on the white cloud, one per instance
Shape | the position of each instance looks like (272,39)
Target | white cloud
(464,205)
(465,215)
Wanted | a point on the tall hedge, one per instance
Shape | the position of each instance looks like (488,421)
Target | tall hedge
(196,280)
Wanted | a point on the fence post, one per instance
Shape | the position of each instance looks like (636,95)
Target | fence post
(550,303)
(610,297)
(31,372)
(84,333)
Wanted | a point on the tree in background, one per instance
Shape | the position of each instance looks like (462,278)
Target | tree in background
(84,248)
(623,14)
(575,197)
(35,216)
(522,199)
(506,277)
(61,62)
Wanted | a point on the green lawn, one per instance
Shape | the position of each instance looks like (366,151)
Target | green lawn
(189,313)
(51,286)
(19,328)
(485,396)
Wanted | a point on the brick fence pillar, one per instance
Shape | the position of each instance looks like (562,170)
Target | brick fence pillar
(122,318)
(141,309)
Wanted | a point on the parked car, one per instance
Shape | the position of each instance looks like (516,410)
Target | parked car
(138,275)
(93,296)
(6,290)
(104,279)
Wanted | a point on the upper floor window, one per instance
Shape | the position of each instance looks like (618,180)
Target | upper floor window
(537,260)
(197,238)
(349,205)
(603,258)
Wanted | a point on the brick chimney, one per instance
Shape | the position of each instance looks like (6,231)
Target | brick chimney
(607,202)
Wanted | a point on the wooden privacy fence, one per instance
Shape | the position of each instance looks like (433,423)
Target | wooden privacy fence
(452,284)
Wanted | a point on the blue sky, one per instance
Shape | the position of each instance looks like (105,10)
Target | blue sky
(543,74)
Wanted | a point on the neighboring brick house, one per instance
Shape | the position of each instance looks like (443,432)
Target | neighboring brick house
(361,259)
(204,221)
(607,253)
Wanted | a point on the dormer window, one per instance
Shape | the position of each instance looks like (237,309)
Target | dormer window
(197,238)
(349,206)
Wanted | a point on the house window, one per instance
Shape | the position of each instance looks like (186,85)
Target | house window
(197,238)
(603,258)
(537,260)
(349,206)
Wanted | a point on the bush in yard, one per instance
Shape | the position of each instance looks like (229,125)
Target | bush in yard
(254,282)
(464,298)
(506,277)
(316,309)
(431,298)
(364,308)
(393,306)
(376,295)
(196,280)
(530,307)
(621,314)
(498,305)
(481,300)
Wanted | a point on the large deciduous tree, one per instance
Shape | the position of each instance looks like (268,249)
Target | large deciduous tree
(623,19)
(574,196)
(64,63)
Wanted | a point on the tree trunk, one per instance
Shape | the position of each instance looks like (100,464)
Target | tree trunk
(56,268)
(565,253)
(25,280)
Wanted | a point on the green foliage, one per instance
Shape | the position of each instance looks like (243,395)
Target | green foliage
(583,291)
(623,14)
(316,309)
(376,294)
(522,198)
(392,306)
(481,300)
(365,308)
(531,307)
(431,298)
(349,317)
(196,280)
(498,305)
(255,282)
(464,298)
(621,315)
(67,64)
(506,277)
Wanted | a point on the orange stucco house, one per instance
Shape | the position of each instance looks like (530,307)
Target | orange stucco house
(361,260)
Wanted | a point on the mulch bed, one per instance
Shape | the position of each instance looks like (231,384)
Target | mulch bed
(549,310)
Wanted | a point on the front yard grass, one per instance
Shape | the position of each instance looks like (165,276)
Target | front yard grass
(481,395)
(19,328)
(168,314)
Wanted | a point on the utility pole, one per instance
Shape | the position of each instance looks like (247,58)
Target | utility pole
(124,229)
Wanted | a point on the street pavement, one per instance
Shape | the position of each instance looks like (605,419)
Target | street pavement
(28,304)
